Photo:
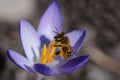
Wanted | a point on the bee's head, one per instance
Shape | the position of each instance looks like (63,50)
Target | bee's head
(62,33)
(59,35)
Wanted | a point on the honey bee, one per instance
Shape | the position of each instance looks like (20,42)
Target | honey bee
(63,43)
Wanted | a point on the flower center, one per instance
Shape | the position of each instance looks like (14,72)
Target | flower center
(47,53)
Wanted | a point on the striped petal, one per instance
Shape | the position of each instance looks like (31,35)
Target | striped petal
(30,41)
(51,21)
(73,64)
(20,61)
(67,67)
(45,70)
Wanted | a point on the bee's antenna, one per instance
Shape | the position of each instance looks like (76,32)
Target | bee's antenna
(55,32)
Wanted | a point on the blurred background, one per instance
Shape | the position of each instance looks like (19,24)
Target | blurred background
(100,18)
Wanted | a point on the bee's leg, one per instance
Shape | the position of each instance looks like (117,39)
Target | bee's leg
(59,53)
(65,57)
(73,50)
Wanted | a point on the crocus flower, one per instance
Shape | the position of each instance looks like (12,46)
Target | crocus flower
(37,49)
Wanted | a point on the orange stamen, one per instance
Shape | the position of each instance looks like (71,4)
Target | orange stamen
(43,55)
(47,54)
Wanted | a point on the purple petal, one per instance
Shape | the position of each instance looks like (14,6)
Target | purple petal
(20,61)
(30,40)
(45,70)
(68,67)
(76,39)
(50,21)
(73,64)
